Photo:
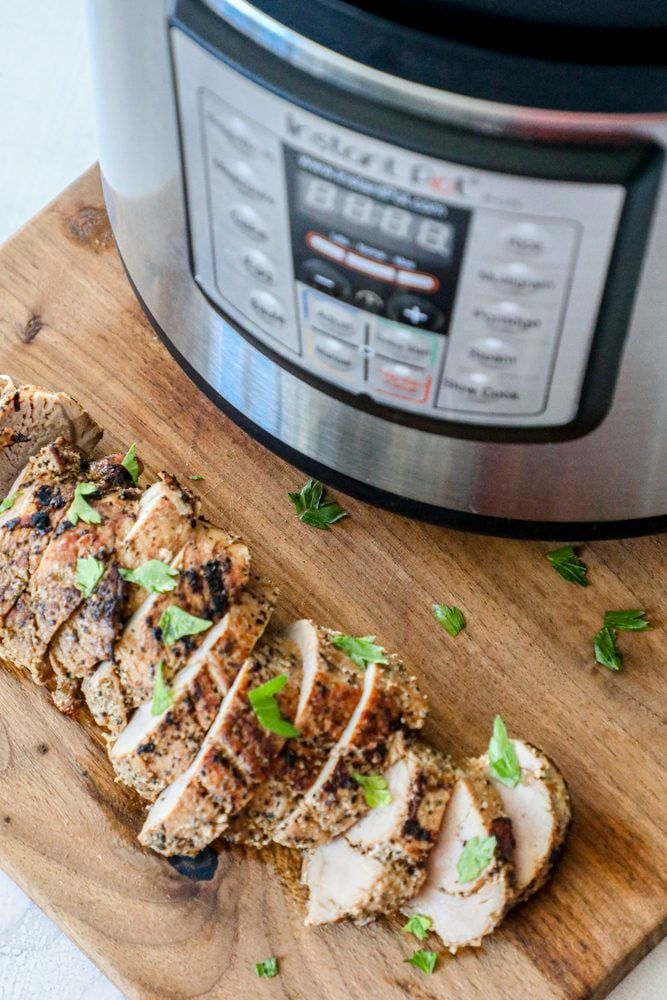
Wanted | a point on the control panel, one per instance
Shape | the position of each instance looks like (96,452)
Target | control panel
(433,288)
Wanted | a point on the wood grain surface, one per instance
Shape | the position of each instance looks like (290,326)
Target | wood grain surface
(68,320)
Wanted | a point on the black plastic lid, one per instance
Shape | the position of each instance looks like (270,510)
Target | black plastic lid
(600,56)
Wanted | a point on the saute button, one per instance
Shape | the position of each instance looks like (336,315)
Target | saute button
(320,274)
(249,222)
(515,278)
(334,353)
(268,309)
(259,267)
(333,318)
(414,311)
(396,342)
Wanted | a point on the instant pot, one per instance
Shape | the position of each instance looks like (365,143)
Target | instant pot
(418,248)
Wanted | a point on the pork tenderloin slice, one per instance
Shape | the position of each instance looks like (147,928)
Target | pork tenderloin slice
(540,811)
(213,568)
(197,807)
(371,741)
(32,417)
(164,522)
(378,865)
(52,595)
(43,493)
(104,697)
(464,913)
(153,750)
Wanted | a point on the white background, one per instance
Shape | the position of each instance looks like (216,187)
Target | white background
(47,138)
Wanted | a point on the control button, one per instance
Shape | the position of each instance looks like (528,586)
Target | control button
(525,238)
(390,378)
(235,130)
(374,268)
(369,300)
(492,352)
(326,247)
(327,278)
(417,279)
(507,317)
(259,266)
(392,341)
(268,309)
(334,353)
(414,311)
(515,278)
(249,222)
(476,390)
(332,318)
(244,179)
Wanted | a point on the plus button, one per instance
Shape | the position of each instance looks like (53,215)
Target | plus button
(415,315)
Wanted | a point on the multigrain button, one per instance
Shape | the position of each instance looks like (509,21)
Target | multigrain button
(249,222)
(492,352)
(267,309)
(507,317)
(515,278)
(525,238)
(334,353)
(259,266)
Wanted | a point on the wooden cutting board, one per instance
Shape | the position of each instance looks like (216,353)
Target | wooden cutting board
(68,320)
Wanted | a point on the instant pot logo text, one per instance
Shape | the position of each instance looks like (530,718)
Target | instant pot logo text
(349,151)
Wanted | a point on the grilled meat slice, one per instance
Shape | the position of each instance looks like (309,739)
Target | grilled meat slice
(153,750)
(236,755)
(52,595)
(378,865)
(43,493)
(465,912)
(105,698)
(30,418)
(213,568)
(389,705)
(164,522)
(540,811)
(331,687)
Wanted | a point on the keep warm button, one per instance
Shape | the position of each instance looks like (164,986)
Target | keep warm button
(477,391)
(389,378)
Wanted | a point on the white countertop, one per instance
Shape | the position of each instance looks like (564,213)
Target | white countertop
(48,139)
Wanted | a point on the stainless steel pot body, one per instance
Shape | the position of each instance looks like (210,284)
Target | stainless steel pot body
(611,478)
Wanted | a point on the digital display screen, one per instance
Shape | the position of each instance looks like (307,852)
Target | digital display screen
(380,222)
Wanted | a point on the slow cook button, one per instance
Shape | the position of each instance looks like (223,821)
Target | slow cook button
(396,342)
(477,391)
(515,278)
(330,317)
(389,378)
(249,222)
(507,317)
(335,354)
(267,309)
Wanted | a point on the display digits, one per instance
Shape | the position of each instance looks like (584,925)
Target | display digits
(358,208)
(320,195)
(435,236)
(395,221)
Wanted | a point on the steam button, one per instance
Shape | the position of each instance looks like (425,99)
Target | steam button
(415,311)
(325,277)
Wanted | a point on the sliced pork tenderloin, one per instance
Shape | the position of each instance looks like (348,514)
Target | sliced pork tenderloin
(390,705)
(52,594)
(540,811)
(236,755)
(378,865)
(463,913)
(153,750)
(213,568)
(331,688)
(32,417)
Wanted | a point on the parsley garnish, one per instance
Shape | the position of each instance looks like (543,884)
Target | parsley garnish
(80,509)
(89,572)
(450,618)
(475,857)
(312,509)
(361,650)
(606,651)
(196,478)
(263,701)
(424,960)
(163,696)
(503,761)
(375,788)
(566,562)
(9,501)
(155,576)
(175,624)
(627,621)
(419,925)
(131,463)
(267,969)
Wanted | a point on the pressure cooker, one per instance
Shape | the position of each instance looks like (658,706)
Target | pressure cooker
(419,249)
